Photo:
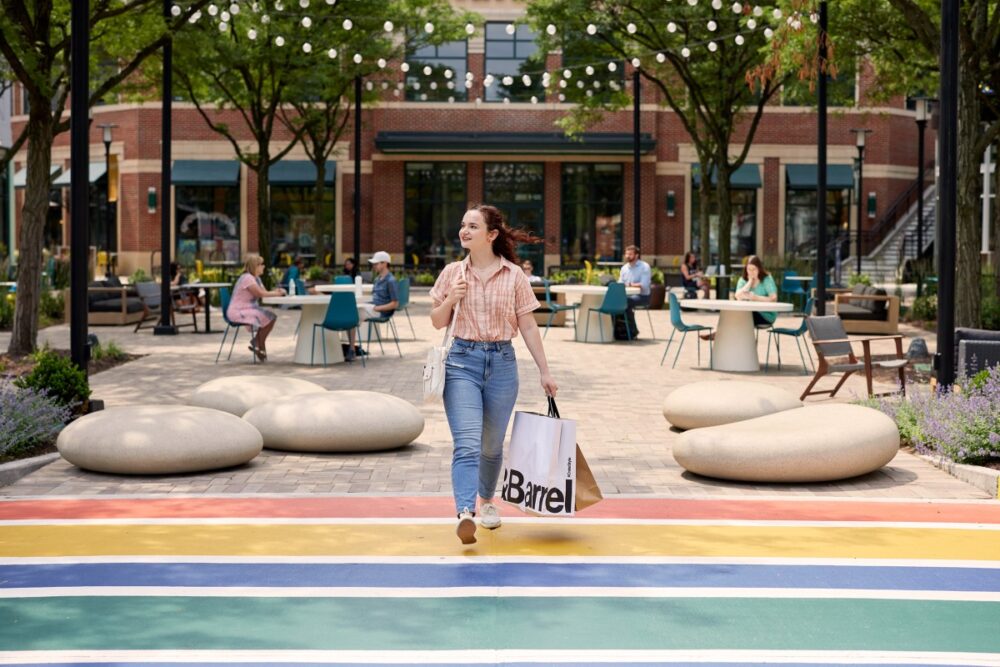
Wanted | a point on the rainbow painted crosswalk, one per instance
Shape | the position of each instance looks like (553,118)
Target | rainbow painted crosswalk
(383,581)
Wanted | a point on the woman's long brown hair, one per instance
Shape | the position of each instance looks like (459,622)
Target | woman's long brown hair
(755,260)
(507,237)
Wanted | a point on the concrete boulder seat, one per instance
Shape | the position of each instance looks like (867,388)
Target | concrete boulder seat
(158,439)
(238,393)
(337,421)
(713,403)
(816,443)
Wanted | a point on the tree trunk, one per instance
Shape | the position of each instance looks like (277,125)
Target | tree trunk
(319,221)
(704,219)
(996,218)
(31,236)
(265,235)
(967,224)
(722,193)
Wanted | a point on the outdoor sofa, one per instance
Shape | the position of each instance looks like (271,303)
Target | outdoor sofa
(868,310)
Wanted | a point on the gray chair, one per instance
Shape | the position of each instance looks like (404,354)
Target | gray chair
(150,295)
(831,342)
(975,350)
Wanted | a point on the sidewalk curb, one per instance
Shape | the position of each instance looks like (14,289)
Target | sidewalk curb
(986,479)
(15,470)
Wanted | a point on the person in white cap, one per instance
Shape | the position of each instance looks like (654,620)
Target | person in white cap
(385,297)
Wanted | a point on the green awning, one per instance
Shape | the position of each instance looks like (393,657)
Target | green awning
(96,171)
(747,177)
(299,172)
(205,172)
(803,176)
(21,176)
(512,143)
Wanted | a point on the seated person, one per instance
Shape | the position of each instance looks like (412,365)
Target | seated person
(292,281)
(636,273)
(692,277)
(756,284)
(244,306)
(385,296)
(177,275)
(186,297)
(528,269)
(349,267)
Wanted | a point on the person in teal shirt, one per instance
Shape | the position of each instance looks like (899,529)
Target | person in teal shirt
(756,284)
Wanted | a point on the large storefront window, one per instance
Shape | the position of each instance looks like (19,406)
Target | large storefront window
(518,190)
(513,56)
(208,223)
(742,233)
(446,77)
(591,212)
(435,203)
(800,222)
(293,213)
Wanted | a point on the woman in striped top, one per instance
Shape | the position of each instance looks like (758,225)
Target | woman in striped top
(495,302)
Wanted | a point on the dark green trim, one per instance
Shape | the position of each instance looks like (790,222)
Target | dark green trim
(746,177)
(510,143)
(205,172)
(803,176)
(299,172)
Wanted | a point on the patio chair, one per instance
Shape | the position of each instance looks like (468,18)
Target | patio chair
(341,315)
(777,332)
(343,280)
(679,325)
(555,308)
(150,295)
(235,326)
(403,302)
(615,303)
(831,341)
(374,322)
(647,308)
(792,288)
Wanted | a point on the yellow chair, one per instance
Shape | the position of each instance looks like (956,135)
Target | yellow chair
(590,271)
(199,268)
(416,259)
(328,260)
(102,259)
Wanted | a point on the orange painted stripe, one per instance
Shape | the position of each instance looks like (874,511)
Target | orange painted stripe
(439,506)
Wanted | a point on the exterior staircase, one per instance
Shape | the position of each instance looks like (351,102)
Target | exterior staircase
(884,264)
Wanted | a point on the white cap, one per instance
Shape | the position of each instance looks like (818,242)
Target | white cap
(381,256)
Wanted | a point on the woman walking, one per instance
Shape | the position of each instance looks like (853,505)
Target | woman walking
(495,302)
(244,306)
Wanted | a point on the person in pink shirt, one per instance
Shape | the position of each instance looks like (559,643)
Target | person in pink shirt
(495,302)
(244,305)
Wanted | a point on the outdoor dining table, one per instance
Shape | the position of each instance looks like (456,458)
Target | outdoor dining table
(208,287)
(735,346)
(590,296)
(313,312)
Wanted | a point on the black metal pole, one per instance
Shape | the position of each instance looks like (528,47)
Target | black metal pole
(636,189)
(79,180)
(861,200)
(821,167)
(948,193)
(357,174)
(921,124)
(107,207)
(166,327)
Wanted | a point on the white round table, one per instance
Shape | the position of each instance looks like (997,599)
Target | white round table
(329,288)
(313,311)
(590,296)
(735,347)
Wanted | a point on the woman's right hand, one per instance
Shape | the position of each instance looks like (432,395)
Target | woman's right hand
(457,292)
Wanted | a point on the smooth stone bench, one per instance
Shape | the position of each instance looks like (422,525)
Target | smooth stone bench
(238,393)
(337,421)
(158,439)
(817,443)
(713,403)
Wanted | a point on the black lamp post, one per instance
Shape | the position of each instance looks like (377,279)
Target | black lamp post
(108,227)
(923,112)
(860,143)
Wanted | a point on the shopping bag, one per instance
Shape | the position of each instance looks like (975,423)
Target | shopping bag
(587,491)
(541,470)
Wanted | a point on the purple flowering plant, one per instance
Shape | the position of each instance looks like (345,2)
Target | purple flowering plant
(28,417)
(961,422)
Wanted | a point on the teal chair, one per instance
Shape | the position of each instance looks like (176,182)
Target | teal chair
(341,315)
(615,303)
(792,288)
(343,280)
(797,334)
(374,322)
(679,325)
(556,308)
(403,297)
(235,326)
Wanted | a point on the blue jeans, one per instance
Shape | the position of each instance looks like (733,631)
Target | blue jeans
(479,394)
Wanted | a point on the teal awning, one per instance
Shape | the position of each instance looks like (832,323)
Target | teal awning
(299,172)
(205,172)
(512,143)
(96,171)
(747,177)
(803,176)
(21,176)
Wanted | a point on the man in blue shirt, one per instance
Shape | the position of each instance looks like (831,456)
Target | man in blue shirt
(385,297)
(636,273)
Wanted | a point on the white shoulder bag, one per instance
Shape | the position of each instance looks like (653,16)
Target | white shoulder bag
(434,370)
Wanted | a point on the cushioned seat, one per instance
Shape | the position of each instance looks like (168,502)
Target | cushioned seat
(711,403)
(238,393)
(337,421)
(114,305)
(868,310)
(158,439)
(816,443)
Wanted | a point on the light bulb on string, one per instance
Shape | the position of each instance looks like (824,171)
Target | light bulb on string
(671,27)
(331,2)
(562,98)
(567,74)
(429,27)
(591,29)
(423,97)
(630,28)
(307,47)
(387,26)
(768,33)
(252,34)
(332,53)
(636,63)
(589,70)
(265,19)
(686,52)
(562,83)
(526,80)
(580,83)
(175,10)
(451,99)
(550,29)
(405,67)
(213,10)
(427,70)
(597,84)
(448,74)
(304,4)
(590,93)
(450,85)
(713,47)
(716,5)
(306,22)
(223,27)
(194,17)
(369,85)
(395,93)
(470,29)
(279,41)
(385,85)
(660,58)
(740,40)
(712,26)
(776,13)
(225,17)
(381,63)
(737,8)
(758,10)
(279,6)
(813,18)
(357,58)
(612,67)
(692,2)
(434,85)
(416,85)
(751,24)
(510,29)
(534,100)
(508,81)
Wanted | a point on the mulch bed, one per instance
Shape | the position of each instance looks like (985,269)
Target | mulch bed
(13,367)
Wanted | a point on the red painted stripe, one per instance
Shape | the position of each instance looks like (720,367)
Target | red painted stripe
(440,506)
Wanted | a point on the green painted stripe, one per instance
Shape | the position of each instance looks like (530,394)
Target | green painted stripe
(151,623)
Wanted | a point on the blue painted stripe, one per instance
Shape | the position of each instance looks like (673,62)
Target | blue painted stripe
(446,575)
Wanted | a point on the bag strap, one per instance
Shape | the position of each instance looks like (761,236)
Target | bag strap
(553,410)
(454,317)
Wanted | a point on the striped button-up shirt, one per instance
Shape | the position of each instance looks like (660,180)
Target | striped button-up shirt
(489,310)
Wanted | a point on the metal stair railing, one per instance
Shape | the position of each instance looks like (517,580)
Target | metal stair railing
(872,238)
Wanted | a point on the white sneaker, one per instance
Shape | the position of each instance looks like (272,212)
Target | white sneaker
(466,529)
(489,516)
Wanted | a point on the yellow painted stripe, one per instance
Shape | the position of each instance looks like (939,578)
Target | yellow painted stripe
(515,540)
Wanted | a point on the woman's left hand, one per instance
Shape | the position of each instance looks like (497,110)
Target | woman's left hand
(549,385)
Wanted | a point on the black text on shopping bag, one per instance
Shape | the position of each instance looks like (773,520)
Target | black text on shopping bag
(551,500)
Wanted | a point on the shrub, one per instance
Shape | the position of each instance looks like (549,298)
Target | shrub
(859,279)
(139,276)
(6,311)
(315,273)
(990,308)
(656,276)
(924,308)
(52,305)
(27,418)
(56,375)
(110,350)
(424,278)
